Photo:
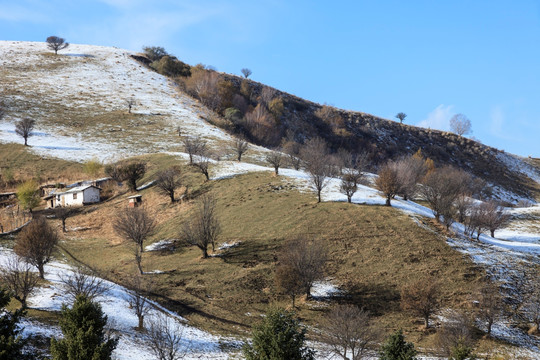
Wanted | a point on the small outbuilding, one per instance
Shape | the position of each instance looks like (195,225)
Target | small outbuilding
(75,196)
(135,201)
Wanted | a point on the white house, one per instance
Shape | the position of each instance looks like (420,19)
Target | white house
(76,196)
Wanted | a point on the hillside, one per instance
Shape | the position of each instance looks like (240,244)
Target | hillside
(79,100)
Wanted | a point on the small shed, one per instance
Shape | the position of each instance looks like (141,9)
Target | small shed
(135,201)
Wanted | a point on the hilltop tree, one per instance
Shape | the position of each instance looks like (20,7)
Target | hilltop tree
(154,53)
(36,243)
(246,72)
(460,124)
(168,181)
(279,336)
(24,128)
(28,195)
(401,116)
(135,225)
(85,336)
(203,228)
(56,43)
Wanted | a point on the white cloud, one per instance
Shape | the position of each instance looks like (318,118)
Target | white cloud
(439,118)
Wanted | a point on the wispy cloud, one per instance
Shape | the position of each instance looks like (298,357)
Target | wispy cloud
(439,118)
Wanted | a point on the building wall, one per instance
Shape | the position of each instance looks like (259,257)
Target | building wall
(68,200)
(91,195)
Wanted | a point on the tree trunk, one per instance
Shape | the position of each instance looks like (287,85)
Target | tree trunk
(141,323)
(492,233)
(171,194)
(276,170)
(63,225)
(319,195)
(349,199)
(41,271)
(388,201)
(26,141)
(293,302)
(205,253)
(426,321)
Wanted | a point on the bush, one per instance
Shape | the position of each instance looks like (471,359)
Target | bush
(28,195)
(279,337)
(396,348)
(171,66)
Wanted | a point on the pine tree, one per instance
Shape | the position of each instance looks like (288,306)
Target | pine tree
(11,342)
(84,335)
(396,348)
(279,337)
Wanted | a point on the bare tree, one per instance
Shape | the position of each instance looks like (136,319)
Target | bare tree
(275,158)
(289,282)
(401,116)
(349,333)
(164,336)
(490,305)
(135,225)
(36,243)
(410,171)
(194,145)
(130,104)
(24,128)
(421,298)
(240,146)
(349,183)
(460,124)
(167,181)
(475,222)
(133,172)
(203,228)
(307,258)
(316,160)
(18,277)
(495,217)
(267,94)
(202,163)
(82,282)
(56,43)
(63,213)
(137,301)
(388,181)
(292,149)
(456,335)
(246,72)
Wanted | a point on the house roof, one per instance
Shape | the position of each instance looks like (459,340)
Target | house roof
(134,196)
(78,189)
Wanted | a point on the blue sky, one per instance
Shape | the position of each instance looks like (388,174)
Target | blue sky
(429,59)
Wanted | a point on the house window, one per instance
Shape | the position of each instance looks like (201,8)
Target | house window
(74,196)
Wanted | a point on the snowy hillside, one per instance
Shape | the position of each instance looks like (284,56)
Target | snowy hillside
(78,98)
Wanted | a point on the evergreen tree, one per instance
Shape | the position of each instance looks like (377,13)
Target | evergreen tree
(396,348)
(279,337)
(84,335)
(11,342)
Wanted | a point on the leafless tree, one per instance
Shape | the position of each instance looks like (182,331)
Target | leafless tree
(275,158)
(36,243)
(388,181)
(349,333)
(137,301)
(133,172)
(135,225)
(18,277)
(292,149)
(495,217)
(490,305)
(202,163)
(349,183)
(130,104)
(167,181)
(401,116)
(63,213)
(56,43)
(460,124)
(475,222)
(164,336)
(463,204)
(203,228)
(83,282)
(456,334)
(246,72)
(267,94)
(410,171)
(307,258)
(194,145)
(442,187)
(24,128)
(421,298)
(316,160)
(240,146)
(289,282)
